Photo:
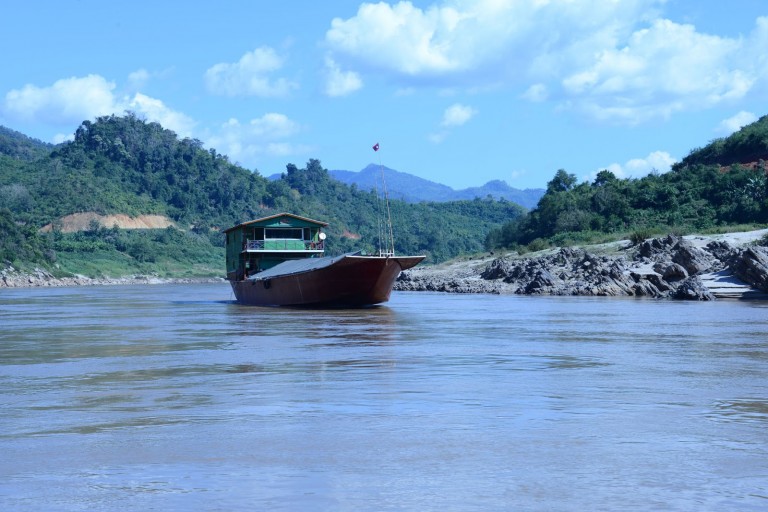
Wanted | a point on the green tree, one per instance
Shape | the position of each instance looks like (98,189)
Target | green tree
(562,182)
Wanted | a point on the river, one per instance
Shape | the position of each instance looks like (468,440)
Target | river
(172,397)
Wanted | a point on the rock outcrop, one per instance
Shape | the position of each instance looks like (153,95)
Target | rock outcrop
(667,267)
(751,266)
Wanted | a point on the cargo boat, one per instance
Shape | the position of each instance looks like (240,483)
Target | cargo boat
(280,261)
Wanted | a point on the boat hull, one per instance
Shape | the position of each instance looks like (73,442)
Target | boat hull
(349,281)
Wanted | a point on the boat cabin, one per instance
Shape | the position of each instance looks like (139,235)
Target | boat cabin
(261,244)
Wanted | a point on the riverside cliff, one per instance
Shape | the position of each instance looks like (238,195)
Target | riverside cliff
(688,268)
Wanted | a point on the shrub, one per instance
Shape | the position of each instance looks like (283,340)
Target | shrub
(640,235)
(539,244)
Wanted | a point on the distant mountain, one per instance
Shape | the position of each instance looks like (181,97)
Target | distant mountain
(21,147)
(528,197)
(413,189)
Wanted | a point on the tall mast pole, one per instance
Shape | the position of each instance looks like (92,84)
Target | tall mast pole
(391,248)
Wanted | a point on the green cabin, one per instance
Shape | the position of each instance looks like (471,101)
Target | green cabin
(261,244)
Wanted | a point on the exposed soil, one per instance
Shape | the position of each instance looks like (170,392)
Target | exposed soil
(82,222)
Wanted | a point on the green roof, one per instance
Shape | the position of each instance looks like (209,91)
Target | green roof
(279,220)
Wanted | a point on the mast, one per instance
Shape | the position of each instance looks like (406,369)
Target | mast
(391,247)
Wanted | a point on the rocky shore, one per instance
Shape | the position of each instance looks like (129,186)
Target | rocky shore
(688,268)
(11,277)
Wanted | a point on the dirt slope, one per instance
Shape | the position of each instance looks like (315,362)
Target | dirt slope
(82,221)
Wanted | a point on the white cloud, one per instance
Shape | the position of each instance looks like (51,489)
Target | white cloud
(401,37)
(457,115)
(338,82)
(515,175)
(437,137)
(284,148)
(457,37)
(70,101)
(279,125)
(536,93)
(250,76)
(155,110)
(659,161)
(758,41)
(733,124)
(661,70)
(63,137)
(67,101)
(138,79)
(612,61)
(259,137)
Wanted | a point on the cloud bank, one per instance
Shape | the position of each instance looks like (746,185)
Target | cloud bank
(612,61)
(70,101)
(250,76)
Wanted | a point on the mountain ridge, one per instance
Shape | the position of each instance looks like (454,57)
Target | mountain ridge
(413,189)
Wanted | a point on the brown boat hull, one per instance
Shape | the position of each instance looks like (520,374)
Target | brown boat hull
(351,281)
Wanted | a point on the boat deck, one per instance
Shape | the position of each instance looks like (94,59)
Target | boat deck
(298,266)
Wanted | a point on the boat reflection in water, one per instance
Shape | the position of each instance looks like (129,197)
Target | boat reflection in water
(279,261)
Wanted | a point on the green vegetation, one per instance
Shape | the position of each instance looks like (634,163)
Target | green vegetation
(21,243)
(439,230)
(723,184)
(17,146)
(750,144)
(102,252)
(125,165)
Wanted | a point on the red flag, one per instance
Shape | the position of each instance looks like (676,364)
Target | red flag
(376,147)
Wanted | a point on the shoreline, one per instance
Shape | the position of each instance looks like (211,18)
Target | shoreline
(39,278)
(692,267)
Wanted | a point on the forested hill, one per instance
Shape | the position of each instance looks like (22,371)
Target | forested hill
(125,165)
(747,146)
(721,185)
(18,146)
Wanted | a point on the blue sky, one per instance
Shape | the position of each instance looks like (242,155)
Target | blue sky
(458,92)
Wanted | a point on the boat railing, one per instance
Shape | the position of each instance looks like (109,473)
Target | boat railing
(283,245)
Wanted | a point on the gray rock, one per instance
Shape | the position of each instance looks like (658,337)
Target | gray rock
(674,272)
(693,259)
(543,280)
(497,269)
(677,266)
(751,266)
(693,289)
(722,251)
